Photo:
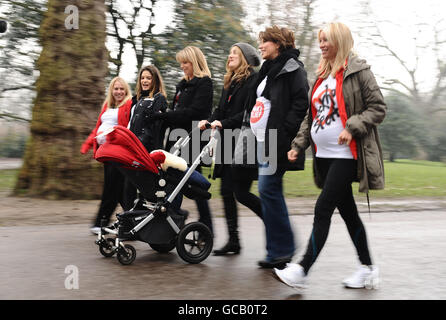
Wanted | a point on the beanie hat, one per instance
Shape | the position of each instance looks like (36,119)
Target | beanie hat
(250,53)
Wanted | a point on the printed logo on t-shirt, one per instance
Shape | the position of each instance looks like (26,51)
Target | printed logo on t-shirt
(327,124)
(257,112)
(326,99)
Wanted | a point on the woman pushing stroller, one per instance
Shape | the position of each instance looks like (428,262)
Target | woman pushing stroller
(235,181)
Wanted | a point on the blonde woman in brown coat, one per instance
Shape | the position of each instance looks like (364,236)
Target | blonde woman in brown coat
(341,128)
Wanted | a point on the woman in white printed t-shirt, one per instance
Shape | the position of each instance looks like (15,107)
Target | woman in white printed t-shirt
(341,127)
(115,111)
(278,103)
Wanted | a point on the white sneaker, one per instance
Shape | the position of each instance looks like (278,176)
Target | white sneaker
(293,275)
(95,230)
(364,277)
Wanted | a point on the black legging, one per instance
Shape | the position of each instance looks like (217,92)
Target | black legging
(111,195)
(338,175)
(232,189)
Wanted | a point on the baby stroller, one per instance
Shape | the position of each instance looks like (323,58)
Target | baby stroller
(160,177)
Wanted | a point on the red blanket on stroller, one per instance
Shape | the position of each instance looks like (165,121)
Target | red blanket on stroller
(124,147)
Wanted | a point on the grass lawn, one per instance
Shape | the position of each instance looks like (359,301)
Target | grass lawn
(404,178)
(8,179)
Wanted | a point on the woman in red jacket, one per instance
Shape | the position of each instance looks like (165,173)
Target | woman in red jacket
(115,111)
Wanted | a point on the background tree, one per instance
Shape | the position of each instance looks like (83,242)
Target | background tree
(19,50)
(297,15)
(426,40)
(70,91)
(213,26)
(400,130)
(130,22)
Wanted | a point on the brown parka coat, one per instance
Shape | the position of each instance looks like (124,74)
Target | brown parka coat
(365,108)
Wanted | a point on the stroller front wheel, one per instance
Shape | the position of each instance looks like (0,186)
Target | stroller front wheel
(126,255)
(194,242)
(107,247)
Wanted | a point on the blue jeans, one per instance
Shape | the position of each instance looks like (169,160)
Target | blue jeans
(279,234)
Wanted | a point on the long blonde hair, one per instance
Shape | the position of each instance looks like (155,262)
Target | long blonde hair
(240,73)
(110,100)
(340,36)
(194,55)
(157,82)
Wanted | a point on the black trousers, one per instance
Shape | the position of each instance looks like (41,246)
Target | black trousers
(112,193)
(235,186)
(130,194)
(338,175)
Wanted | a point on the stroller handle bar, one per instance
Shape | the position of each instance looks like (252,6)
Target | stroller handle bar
(185,140)
(194,165)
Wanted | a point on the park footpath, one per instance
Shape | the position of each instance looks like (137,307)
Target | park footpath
(42,239)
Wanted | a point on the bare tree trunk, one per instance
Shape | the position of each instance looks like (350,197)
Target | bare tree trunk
(70,92)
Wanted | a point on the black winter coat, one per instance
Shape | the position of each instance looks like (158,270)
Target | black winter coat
(192,102)
(230,111)
(289,104)
(231,108)
(149,131)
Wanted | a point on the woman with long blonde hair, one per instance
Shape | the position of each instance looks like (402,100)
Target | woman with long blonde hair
(115,111)
(192,102)
(341,128)
(235,181)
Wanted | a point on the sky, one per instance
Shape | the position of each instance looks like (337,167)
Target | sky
(399,23)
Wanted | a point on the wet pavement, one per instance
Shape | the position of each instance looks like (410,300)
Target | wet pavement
(408,246)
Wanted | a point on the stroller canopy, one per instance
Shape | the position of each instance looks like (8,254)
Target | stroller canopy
(124,147)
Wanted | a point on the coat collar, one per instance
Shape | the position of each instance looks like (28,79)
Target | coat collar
(184,83)
(290,66)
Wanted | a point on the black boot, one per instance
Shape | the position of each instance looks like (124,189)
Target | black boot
(231,215)
(232,246)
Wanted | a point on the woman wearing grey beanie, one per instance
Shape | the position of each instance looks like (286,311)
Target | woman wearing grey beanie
(235,181)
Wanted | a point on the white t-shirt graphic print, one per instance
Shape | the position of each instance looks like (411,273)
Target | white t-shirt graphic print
(327,124)
(260,113)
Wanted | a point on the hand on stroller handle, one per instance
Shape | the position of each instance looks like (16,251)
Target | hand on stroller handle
(205,124)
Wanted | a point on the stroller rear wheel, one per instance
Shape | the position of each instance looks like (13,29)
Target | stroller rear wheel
(194,242)
(126,255)
(163,247)
(107,247)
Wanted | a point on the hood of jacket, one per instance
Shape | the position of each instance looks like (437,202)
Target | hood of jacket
(290,66)
(355,64)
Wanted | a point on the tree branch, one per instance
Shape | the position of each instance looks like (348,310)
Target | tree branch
(17,88)
(12,117)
